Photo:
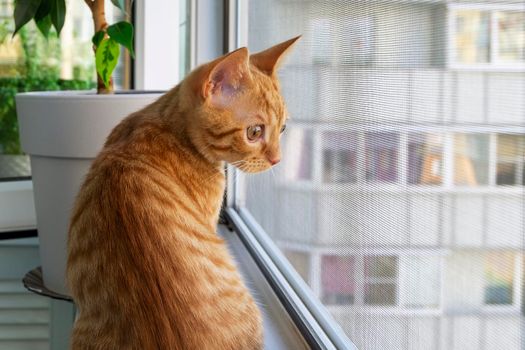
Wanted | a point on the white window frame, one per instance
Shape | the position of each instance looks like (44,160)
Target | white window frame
(493,64)
(157,60)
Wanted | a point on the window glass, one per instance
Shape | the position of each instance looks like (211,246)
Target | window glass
(29,62)
(380,280)
(380,293)
(472,36)
(510,159)
(499,278)
(421,286)
(300,261)
(511,36)
(425,159)
(339,157)
(381,151)
(338,279)
(380,266)
(471,156)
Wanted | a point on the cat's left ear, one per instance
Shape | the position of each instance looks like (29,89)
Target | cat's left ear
(227,76)
(270,59)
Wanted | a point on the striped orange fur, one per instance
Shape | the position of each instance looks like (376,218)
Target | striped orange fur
(145,265)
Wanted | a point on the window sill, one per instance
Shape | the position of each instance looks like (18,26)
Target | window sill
(279,330)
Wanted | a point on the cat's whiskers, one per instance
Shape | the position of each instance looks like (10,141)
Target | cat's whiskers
(273,174)
(242,161)
(240,164)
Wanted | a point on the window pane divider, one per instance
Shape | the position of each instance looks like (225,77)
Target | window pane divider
(402,163)
(494,39)
(318,157)
(493,149)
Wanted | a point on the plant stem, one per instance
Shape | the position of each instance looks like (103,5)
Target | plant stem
(99,21)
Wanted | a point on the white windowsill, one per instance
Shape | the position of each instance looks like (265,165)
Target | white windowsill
(279,330)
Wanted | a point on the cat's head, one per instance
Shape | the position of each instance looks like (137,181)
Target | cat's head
(237,111)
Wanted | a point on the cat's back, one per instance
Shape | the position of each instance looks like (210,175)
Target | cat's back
(144,259)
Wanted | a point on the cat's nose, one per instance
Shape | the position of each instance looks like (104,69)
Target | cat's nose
(274,161)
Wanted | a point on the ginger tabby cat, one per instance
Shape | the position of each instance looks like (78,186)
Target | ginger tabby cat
(145,265)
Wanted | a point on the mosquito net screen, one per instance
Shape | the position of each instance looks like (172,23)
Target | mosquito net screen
(400,196)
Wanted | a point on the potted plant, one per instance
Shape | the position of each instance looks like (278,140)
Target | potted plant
(62,131)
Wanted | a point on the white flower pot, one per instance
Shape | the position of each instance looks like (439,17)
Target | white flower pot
(63,131)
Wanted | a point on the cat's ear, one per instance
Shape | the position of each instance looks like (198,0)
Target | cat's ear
(270,59)
(226,76)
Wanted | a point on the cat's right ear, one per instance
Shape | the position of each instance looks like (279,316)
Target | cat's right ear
(226,77)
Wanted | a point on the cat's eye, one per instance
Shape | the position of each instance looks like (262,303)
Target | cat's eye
(254,132)
(283,128)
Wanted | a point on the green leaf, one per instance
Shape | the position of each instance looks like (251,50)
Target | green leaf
(44,25)
(122,33)
(25,10)
(98,37)
(58,14)
(121,4)
(43,10)
(106,58)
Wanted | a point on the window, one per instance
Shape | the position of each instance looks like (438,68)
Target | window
(425,159)
(339,157)
(410,119)
(29,62)
(402,281)
(420,283)
(471,159)
(488,37)
(338,280)
(381,157)
(510,160)
(380,280)
(472,37)
(511,36)
(300,262)
(408,158)
(499,278)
